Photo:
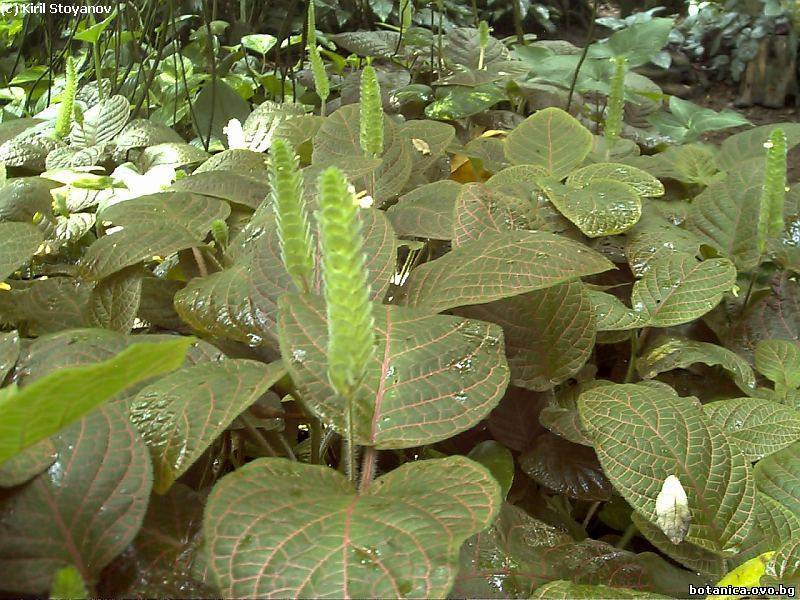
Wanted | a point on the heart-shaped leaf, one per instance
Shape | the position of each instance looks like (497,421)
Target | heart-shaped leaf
(39,409)
(551,139)
(500,265)
(316,537)
(18,242)
(181,414)
(643,435)
(83,511)
(432,376)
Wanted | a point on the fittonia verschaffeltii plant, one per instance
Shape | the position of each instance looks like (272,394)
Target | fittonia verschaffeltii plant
(358,355)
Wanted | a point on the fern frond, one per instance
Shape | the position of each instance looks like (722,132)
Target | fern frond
(294,228)
(371,125)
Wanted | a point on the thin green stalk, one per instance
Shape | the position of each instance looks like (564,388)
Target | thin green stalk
(627,536)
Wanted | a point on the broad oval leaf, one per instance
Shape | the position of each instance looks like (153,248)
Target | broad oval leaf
(779,361)
(27,464)
(643,435)
(431,377)
(757,427)
(778,480)
(645,184)
(549,334)
(193,212)
(83,511)
(599,208)
(317,538)
(181,414)
(677,288)
(566,468)
(499,265)
(677,353)
(18,243)
(725,216)
(39,409)
(337,143)
(551,139)
(567,590)
(225,185)
(426,211)
(132,245)
(101,122)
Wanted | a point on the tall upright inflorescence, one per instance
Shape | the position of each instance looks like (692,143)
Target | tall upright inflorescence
(773,196)
(371,119)
(294,227)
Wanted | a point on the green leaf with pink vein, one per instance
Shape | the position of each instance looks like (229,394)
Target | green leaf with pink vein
(281,529)
(431,376)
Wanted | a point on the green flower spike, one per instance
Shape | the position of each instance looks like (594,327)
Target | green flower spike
(64,118)
(294,229)
(773,197)
(616,101)
(371,113)
(321,82)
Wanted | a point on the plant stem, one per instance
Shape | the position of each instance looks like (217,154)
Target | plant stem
(327,438)
(316,441)
(96,56)
(368,463)
(627,536)
(590,513)
(276,436)
(637,343)
(350,468)
(201,262)
(589,36)
(256,437)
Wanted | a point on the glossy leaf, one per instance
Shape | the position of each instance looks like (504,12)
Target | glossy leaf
(779,361)
(551,139)
(645,184)
(601,207)
(181,414)
(40,409)
(83,511)
(498,266)
(567,590)
(642,436)
(398,539)
(18,242)
(431,376)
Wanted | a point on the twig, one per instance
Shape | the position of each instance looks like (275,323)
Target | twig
(585,52)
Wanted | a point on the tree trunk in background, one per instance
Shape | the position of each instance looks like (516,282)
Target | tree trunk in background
(772,76)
